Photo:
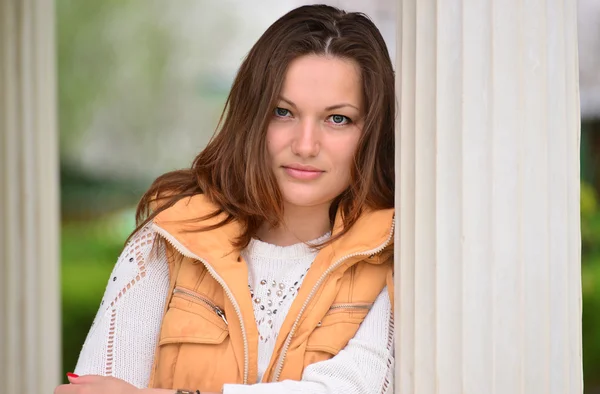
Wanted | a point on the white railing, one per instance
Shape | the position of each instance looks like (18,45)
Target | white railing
(29,208)
(488,257)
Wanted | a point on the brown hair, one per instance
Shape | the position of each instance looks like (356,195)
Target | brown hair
(233,171)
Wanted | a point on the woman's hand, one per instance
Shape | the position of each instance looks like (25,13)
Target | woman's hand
(94,384)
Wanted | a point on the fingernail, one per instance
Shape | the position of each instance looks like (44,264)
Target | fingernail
(72,375)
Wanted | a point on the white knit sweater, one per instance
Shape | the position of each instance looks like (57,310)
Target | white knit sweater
(122,339)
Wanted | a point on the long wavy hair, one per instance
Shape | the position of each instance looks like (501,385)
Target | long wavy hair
(233,170)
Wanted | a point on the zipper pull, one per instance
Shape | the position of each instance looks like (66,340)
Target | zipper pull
(221,315)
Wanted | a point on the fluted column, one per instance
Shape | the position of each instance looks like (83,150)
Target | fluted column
(488,242)
(29,231)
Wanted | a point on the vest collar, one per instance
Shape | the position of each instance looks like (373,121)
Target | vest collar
(373,230)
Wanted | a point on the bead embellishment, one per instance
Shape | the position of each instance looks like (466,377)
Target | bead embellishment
(273,295)
(273,286)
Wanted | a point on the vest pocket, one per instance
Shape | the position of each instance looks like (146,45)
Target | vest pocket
(194,350)
(193,318)
(335,330)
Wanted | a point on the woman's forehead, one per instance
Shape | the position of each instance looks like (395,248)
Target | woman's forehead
(322,81)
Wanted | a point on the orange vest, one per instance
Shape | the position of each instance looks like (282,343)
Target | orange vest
(209,336)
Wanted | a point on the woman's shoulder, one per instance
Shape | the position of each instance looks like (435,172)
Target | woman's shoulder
(143,259)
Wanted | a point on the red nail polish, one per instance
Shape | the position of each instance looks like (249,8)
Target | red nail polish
(72,375)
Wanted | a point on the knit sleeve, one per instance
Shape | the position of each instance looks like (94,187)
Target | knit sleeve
(122,340)
(364,366)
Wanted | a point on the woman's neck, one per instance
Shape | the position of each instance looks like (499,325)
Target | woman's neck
(300,224)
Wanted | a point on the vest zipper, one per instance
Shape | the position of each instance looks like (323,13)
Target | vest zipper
(216,309)
(347,306)
(329,270)
(350,306)
(187,253)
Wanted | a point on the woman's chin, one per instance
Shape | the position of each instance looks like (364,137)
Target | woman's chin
(305,195)
(305,200)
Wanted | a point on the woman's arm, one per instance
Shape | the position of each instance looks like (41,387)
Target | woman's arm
(105,384)
(364,366)
(122,340)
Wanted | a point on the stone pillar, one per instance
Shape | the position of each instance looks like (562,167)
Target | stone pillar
(488,292)
(30,356)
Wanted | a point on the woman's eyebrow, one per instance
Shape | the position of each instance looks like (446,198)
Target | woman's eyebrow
(290,102)
(330,108)
(338,106)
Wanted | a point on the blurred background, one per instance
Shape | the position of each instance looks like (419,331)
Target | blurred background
(141,87)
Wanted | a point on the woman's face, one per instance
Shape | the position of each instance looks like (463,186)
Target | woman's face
(315,129)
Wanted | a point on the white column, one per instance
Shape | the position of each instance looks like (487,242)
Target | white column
(488,293)
(30,356)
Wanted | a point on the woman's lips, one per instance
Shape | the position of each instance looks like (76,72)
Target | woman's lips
(302,174)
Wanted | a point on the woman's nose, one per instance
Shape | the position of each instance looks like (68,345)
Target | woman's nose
(306,142)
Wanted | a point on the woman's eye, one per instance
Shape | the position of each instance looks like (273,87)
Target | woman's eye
(340,120)
(282,112)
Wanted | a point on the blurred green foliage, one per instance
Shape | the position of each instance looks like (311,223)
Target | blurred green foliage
(88,196)
(91,44)
(590,222)
(590,273)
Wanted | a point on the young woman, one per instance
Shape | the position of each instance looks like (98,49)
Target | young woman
(267,266)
